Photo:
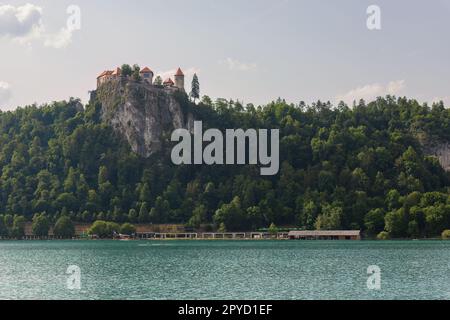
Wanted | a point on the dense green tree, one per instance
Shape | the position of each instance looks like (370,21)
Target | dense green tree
(136,76)
(93,201)
(86,216)
(330,218)
(374,221)
(41,225)
(446,235)
(104,229)
(437,219)
(18,228)
(310,212)
(126,70)
(395,223)
(127,229)
(63,160)
(99,229)
(158,81)
(159,212)
(144,193)
(3,228)
(198,216)
(273,229)
(144,216)
(231,215)
(133,216)
(64,227)
(206,100)
(255,217)
(9,221)
(393,200)
(67,200)
(222,228)
(118,215)
(383,235)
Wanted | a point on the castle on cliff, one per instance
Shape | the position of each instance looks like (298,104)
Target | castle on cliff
(146,75)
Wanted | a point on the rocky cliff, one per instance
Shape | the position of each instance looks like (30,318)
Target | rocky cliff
(442,152)
(145,115)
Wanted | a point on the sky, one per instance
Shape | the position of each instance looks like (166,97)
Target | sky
(253,51)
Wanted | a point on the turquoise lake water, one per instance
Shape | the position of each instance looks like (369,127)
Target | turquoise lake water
(239,270)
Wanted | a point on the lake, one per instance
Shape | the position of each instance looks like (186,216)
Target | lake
(239,270)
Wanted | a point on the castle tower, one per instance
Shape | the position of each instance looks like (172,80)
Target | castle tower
(147,75)
(168,83)
(179,79)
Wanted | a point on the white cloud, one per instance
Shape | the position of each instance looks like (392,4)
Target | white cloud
(5,92)
(188,73)
(372,91)
(59,40)
(234,64)
(23,24)
(21,21)
(395,87)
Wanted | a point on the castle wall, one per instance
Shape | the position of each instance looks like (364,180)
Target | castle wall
(147,77)
(179,82)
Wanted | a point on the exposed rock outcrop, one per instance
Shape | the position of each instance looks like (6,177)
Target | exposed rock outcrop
(441,151)
(145,115)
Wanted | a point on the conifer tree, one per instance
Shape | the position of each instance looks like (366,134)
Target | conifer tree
(195,91)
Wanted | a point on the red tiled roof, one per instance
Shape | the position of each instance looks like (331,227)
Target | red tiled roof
(179,72)
(117,72)
(146,70)
(104,73)
(169,81)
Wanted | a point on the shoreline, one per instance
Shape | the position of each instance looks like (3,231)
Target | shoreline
(221,239)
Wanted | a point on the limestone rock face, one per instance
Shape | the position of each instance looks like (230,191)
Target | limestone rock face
(442,152)
(145,115)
